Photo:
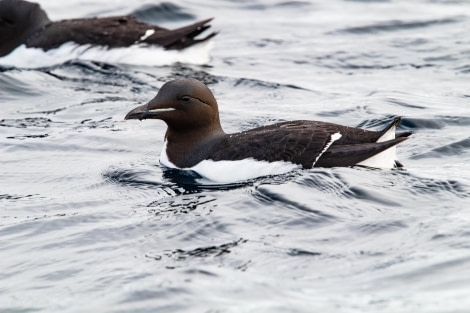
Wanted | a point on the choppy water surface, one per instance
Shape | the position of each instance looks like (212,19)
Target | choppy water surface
(90,222)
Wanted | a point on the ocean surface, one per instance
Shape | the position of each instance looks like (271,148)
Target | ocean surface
(90,222)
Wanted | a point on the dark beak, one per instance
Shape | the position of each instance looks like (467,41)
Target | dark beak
(142,112)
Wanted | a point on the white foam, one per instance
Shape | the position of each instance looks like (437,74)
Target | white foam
(136,54)
(225,172)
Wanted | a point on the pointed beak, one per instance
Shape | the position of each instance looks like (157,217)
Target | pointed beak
(142,112)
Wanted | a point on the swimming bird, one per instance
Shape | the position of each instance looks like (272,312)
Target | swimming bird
(26,23)
(195,139)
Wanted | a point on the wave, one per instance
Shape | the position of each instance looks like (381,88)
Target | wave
(162,12)
(397,25)
(451,149)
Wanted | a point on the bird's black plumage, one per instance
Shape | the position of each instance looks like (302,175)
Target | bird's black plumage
(301,142)
(115,32)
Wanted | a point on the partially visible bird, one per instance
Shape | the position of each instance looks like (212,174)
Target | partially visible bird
(25,23)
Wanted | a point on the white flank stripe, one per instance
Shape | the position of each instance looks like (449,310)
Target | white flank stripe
(333,138)
(148,33)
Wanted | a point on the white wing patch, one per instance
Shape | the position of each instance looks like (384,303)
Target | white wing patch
(148,33)
(333,138)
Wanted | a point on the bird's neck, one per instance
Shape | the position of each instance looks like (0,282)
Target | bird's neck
(192,135)
(183,145)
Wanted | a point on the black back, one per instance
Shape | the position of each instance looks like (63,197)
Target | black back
(115,32)
(302,142)
(23,22)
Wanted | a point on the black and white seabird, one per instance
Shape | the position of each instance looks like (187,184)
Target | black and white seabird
(196,141)
(23,22)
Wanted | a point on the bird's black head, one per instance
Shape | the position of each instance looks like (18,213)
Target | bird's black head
(184,104)
(18,21)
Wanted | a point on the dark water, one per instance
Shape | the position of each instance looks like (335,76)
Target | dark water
(90,222)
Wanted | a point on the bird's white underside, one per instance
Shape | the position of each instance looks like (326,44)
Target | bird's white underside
(224,172)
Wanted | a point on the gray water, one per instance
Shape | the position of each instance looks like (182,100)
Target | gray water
(90,222)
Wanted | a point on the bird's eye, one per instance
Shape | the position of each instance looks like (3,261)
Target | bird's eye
(185,98)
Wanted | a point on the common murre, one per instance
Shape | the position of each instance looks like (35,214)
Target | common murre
(196,141)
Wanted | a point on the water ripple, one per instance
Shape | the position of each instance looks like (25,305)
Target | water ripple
(431,186)
(272,196)
(201,252)
(162,12)
(146,179)
(27,122)
(379,227)
(172,206)
(398,25)
(452,149)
